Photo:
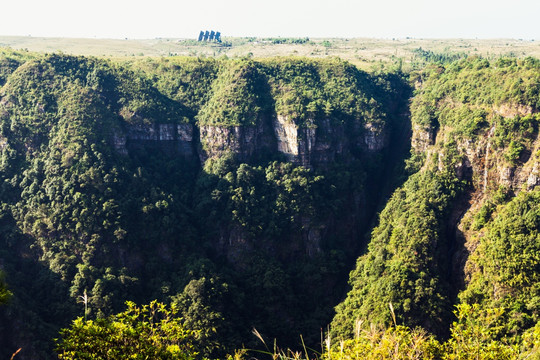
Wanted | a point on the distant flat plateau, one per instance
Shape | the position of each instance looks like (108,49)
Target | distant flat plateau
(360,51)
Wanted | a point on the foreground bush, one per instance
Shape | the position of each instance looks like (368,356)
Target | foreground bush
(149,332)
(473,336)
(393,343)
(155,332)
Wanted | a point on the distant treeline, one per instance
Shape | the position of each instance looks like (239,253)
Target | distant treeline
(287,40)
(431,56)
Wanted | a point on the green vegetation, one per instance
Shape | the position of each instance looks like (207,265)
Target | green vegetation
(185,80)
(238,92)
(467,94)
(484,116)
(239,96)
(5,294)
(151,331)
(405,261)
(307,90)
(154,331)
(287,40)
(507,265)
(432,57)
(91,207)
(110,192)
(473,336)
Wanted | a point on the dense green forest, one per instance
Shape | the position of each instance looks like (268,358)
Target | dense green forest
(464,229)
(110,188)
(219,196)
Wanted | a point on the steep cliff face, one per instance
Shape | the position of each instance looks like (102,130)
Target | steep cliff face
(375,137)
(307,146)
(499,156)
(483,159)
(173,139)
(293,111)
(319,145)
(481,147)
(328,141)
(422,137)
(496,150)
(466,222)
(491,166)
(247,113)
(245,142)
(312,114)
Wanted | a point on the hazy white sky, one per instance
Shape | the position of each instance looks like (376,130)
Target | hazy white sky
(295,18)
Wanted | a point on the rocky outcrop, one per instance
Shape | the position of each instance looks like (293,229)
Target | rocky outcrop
(243,141)
(3,142)
(533,179)
(422,137)
(375,137)
(174,139)
(512,110)
(184,139)
(312,145)
(481,161)
(286,133)
(327,141)
(483,164)
(306,146)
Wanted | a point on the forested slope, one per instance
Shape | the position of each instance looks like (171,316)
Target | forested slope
(239,190)
(243,192)
(464,229)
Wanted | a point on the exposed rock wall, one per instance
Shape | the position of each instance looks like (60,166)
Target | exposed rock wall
(481,161)
(244,141)
(534,176)
(327,141)
(375,137)
(313,145)
(286,133)
(3,142)
(175,139)
(423,137)
(316,145)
